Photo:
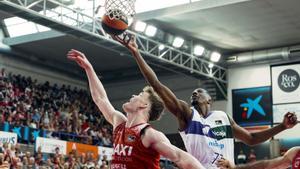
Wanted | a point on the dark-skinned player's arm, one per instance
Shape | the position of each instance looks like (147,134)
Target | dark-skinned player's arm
(177,107)
(253,138)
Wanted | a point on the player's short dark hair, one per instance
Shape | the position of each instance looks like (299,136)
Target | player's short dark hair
(157,105)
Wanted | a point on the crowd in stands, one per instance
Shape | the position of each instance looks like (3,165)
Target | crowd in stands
(25,102)
(11,156)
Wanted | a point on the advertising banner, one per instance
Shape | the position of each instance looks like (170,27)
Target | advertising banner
(280,110)
(49,145)
(7,137)
(252,106)
(105,151)
(285,83)
(82,148)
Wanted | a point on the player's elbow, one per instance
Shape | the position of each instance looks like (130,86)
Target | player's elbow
(249,142)
(176,157)
(187,161)
(252,141)
(192,166)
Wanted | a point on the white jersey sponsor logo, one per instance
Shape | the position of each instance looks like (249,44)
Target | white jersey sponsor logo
(122,150)
(219,133)
(216,144)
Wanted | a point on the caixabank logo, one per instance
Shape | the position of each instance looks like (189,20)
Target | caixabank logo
(252,106)
(288,80)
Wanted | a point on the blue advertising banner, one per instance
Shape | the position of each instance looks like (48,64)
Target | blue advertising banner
(29,135)
(252,106)
(25,134)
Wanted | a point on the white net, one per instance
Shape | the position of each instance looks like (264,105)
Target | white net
(117,9)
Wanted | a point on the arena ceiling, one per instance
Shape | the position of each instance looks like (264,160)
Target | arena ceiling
(230,26)
(234,25)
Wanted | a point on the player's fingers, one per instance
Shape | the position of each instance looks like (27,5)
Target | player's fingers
(132,38)
(72,55)
(117,38)
(127,38)
(220,162)
(293,118)
(295,115)
(77,52)
(75,58)
(72,58)
(74,50)
(114,37)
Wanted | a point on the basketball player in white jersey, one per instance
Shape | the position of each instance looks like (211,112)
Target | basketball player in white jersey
(207,135)
(290,159)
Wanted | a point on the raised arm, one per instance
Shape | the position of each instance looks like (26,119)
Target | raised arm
(289,121)
(159,142)
(277,163)
(97,90)
(177,107)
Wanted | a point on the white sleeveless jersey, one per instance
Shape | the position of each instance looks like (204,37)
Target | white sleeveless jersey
(209,139)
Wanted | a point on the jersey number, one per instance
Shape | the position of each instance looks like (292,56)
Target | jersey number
(217,157)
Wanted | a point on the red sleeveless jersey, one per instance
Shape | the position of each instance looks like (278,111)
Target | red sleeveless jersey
(296,161)
(129,151)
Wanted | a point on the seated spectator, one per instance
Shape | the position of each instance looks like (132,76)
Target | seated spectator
(31,163)
(25,102)
(251,156)
(241,158)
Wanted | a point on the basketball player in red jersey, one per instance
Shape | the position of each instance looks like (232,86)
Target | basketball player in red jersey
(290,158)
(136,144)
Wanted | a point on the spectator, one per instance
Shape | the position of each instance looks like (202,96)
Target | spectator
(25,161)
(56,161)
(31,163)
(3,163)
(251,156)
(25,102)
(241,158)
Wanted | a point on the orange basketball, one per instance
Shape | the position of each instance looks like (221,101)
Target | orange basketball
(114,25)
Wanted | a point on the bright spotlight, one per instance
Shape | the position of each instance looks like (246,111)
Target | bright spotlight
(161,47)
(215,57)
(198,50)
(210,65)
(140,26)
(178,42)
(150,30)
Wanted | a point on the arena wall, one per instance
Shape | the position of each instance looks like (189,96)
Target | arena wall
(254,76)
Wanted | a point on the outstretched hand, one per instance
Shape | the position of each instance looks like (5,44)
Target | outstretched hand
(225,164)
(290,120)
(79,58)
(128,40)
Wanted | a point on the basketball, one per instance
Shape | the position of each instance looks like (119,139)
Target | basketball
(114,22)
